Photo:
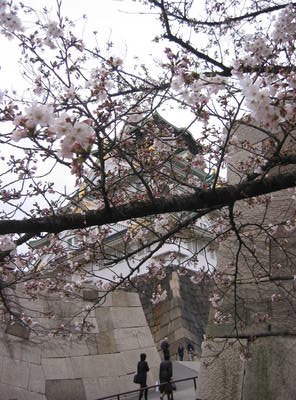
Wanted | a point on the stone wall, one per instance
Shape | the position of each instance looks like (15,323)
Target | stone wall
(252,354)
(101,363)
(183,316)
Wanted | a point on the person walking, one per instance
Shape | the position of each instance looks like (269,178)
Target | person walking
(190,351)
(165,377)
(165,347)
(142,369)
(181,351)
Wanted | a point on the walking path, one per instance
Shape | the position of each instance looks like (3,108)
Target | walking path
(185,390)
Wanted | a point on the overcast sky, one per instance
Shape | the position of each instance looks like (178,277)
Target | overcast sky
(120,20)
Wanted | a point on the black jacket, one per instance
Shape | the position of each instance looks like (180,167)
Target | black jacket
(165,345)
(180,349)
(165,371)
(142,370)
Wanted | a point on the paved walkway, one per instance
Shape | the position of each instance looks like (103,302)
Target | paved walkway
(185,390)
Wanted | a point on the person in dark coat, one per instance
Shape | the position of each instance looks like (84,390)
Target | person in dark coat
(165,377)
(142,370)
(181,351)
(190,351)
(165,347)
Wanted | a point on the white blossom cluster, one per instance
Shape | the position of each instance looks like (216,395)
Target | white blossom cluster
(163,223)
(285,26)
(220,318)
(80,133)
(256,49)
(100,83)
(6,243)
(198,277)
(9,21)
(159,295)
(259,103)
(72,134)
(156,270)
(53,31)
(197,90)
(216,300)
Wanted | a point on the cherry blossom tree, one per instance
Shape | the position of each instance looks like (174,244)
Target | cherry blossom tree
(228,70)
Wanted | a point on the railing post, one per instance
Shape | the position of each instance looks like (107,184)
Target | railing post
(194,382)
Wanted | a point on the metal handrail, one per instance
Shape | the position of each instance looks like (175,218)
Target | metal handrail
(117,396)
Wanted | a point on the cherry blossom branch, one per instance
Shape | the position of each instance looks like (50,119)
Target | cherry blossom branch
(203,198)
(193,22)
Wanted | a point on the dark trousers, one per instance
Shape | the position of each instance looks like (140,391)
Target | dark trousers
(166,354)
(144,391)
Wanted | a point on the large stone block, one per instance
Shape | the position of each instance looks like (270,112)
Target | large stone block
(54,323)
(63,389)
(123,317)
(36,307)
(145,338)
(37,379)
(109,386)
(126,383)
(54,348)
(153,357)
(120,299)
(106,343)
(161,333)
(180,334)
(269,374)
(56,368)
(163,319)
(134,300)
(63,309)
(12,369)
(106,299)
(18,349)
(221,378)
(8,392)
(123,298)
(92,388)
(103,365)
(104,319)
(17,329)
(255,302)
(175,312)
(92,344)
(126,338)
(90,294)
(133,338)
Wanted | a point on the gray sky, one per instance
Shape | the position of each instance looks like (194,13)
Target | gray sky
(120,21)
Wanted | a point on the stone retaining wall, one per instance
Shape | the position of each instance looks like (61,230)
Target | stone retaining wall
(101,363)
(183,316)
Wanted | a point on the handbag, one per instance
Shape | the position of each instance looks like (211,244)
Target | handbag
(136,379)
(173,385)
